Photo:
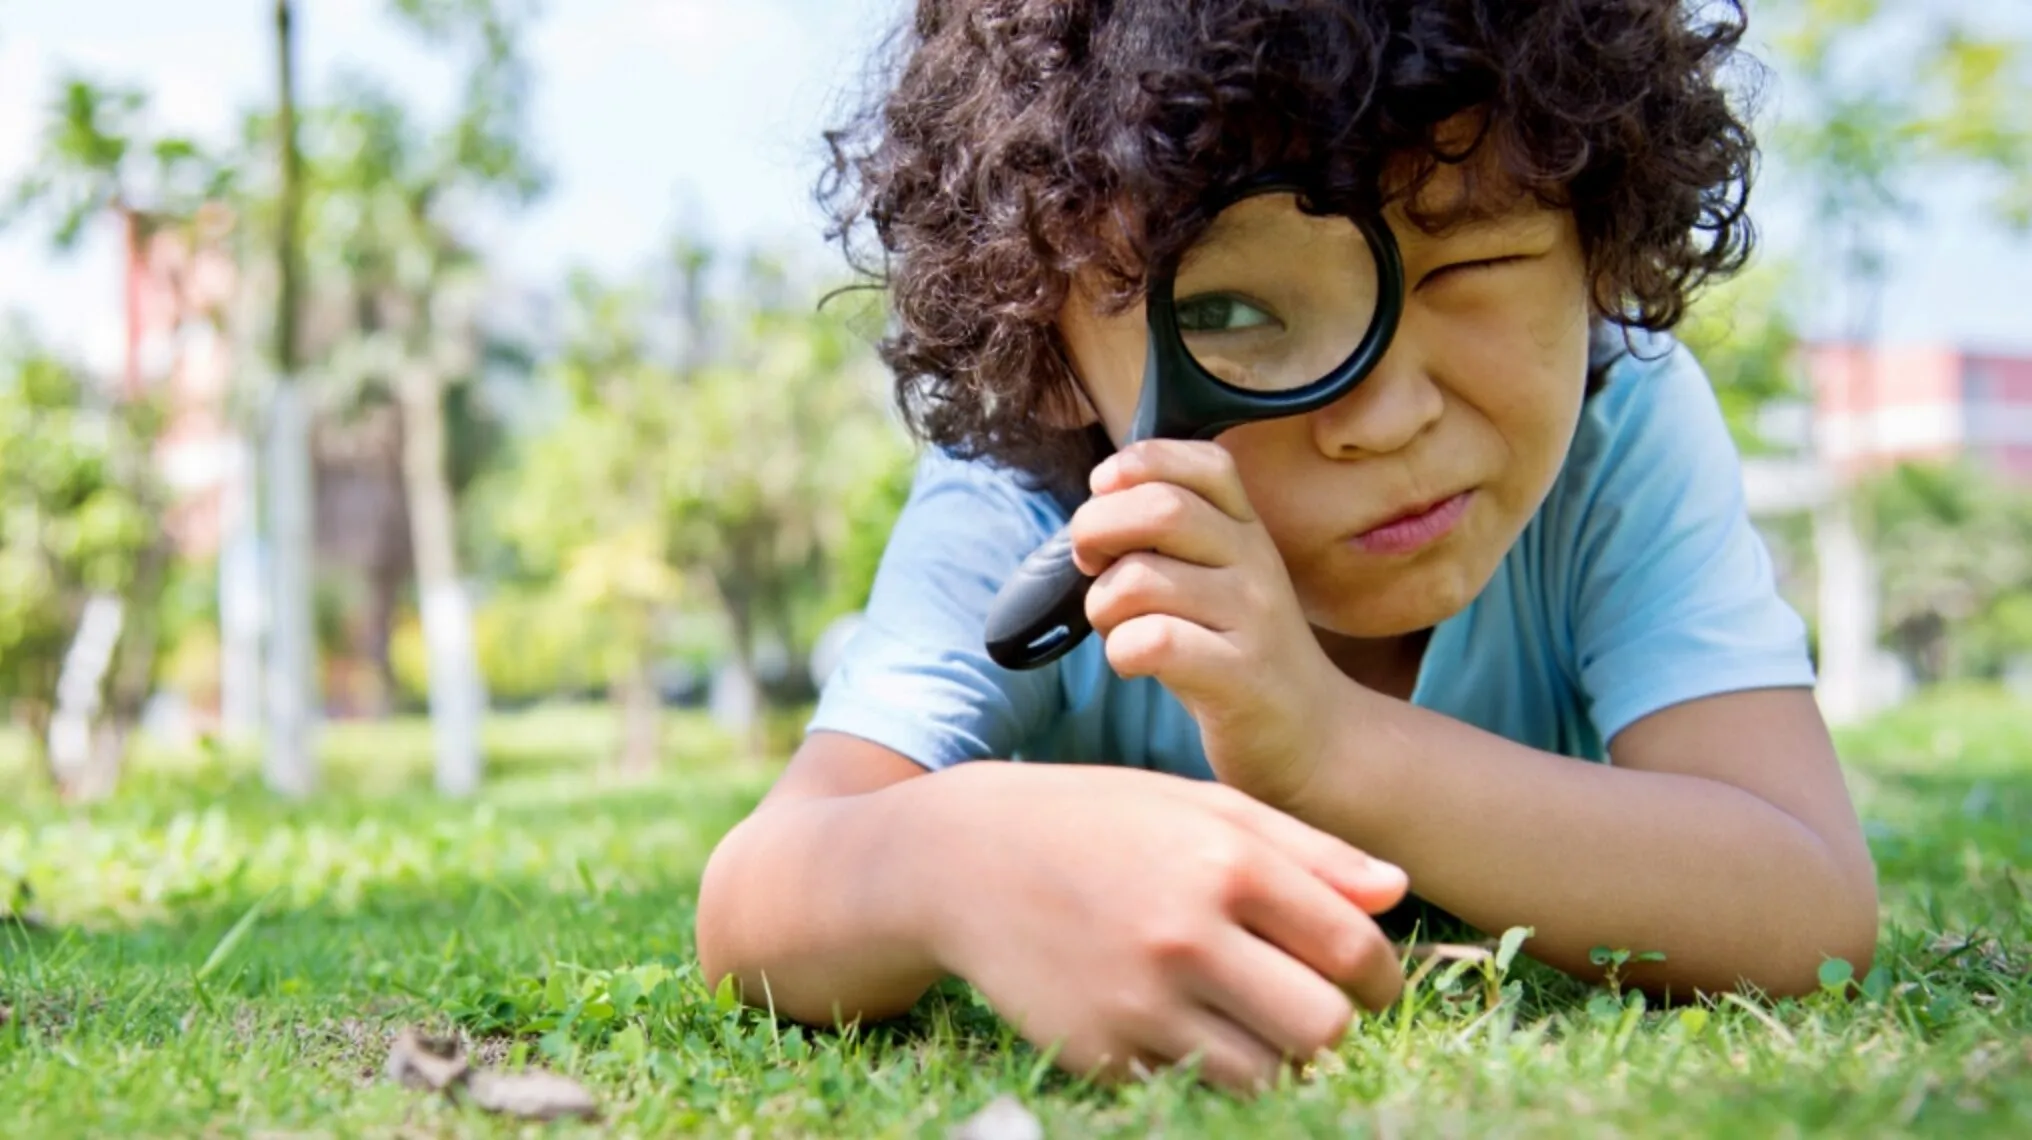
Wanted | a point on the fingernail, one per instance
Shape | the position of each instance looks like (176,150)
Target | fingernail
(1383,873)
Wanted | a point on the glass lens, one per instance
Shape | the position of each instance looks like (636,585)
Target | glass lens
(1271,298)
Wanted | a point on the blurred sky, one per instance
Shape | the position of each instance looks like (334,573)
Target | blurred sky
(650,108)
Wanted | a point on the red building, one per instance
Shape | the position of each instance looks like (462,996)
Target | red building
(1875,406)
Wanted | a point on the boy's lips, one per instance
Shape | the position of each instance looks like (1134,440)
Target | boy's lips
(1416,527)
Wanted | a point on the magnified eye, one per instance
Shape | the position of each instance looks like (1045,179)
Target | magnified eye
(1220,312)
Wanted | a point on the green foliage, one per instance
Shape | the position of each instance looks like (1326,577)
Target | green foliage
(488,143)
(582,510)
(1955,103)
(77,509)
(531,644)
(391,203)
(97,157)
(782,449)
(1744,334)
(868,516)
(1954,552)
(756,473)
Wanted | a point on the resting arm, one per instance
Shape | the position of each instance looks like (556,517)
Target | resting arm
(816,890)
(1721,834)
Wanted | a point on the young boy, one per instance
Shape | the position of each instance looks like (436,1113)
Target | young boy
(1494,627)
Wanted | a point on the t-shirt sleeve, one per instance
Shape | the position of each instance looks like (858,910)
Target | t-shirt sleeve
(1673,592)
(915,676)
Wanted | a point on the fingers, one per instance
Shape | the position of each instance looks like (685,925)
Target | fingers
(1203,467)
(1308,920)
(1267,990)
(1370,883)
(1138,585)
(1163,517)
(1229,1055)
(1188,657)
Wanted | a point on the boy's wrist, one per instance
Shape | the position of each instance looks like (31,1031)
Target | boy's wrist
(1353,720)
(921,828)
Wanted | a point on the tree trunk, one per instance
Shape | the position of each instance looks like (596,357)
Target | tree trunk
(737,596)
(240,603)
(641,719)
(35,717)
(292,657)
(377,625)
(455,690)
(130,678)
(80,698)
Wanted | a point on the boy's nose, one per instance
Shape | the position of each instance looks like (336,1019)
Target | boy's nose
(1394,405)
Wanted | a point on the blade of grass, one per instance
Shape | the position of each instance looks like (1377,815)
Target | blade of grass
(1769,1021)
(234,936)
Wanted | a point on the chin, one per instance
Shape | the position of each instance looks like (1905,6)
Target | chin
(1405,604)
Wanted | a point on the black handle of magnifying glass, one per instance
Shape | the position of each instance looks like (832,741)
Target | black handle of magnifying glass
(1041,611)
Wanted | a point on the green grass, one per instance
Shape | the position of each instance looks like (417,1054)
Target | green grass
(551,922)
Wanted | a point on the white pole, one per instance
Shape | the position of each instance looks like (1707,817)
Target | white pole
(241,605)
(1848,615)
(292,642)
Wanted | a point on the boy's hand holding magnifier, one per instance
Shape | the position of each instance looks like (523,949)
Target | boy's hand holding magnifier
(1167,561)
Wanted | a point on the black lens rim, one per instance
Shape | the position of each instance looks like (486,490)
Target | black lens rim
(1188,402)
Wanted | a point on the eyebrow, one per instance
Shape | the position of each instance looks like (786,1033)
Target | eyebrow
(1484,209)
(1481,221)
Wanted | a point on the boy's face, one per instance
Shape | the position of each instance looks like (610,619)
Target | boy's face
(1473,406)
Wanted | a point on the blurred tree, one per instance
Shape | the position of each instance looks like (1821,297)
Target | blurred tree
(1861,144)
(1744,333)
(1954,546)
(388,207)
(585,511)
(783,442)
(288,761)
(869,515)
(1888,96)
(728,468)
(80,513)
(99,160)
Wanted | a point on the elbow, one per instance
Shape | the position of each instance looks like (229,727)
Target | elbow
(1845,929)
(1854,934)
(1781,952)
(1852,931)
(712,935)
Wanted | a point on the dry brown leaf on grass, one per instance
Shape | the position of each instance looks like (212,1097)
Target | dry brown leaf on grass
(420,1062)
(534,1095)
(1004,1118)
(438,1064)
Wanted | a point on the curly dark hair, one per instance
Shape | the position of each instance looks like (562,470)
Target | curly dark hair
(1005,141)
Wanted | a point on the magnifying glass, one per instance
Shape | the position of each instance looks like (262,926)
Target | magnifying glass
(1271,312)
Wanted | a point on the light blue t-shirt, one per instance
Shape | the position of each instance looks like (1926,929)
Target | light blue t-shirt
(1639,584)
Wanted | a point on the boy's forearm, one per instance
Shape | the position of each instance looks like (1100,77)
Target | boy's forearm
(1728,886)
(818,908)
